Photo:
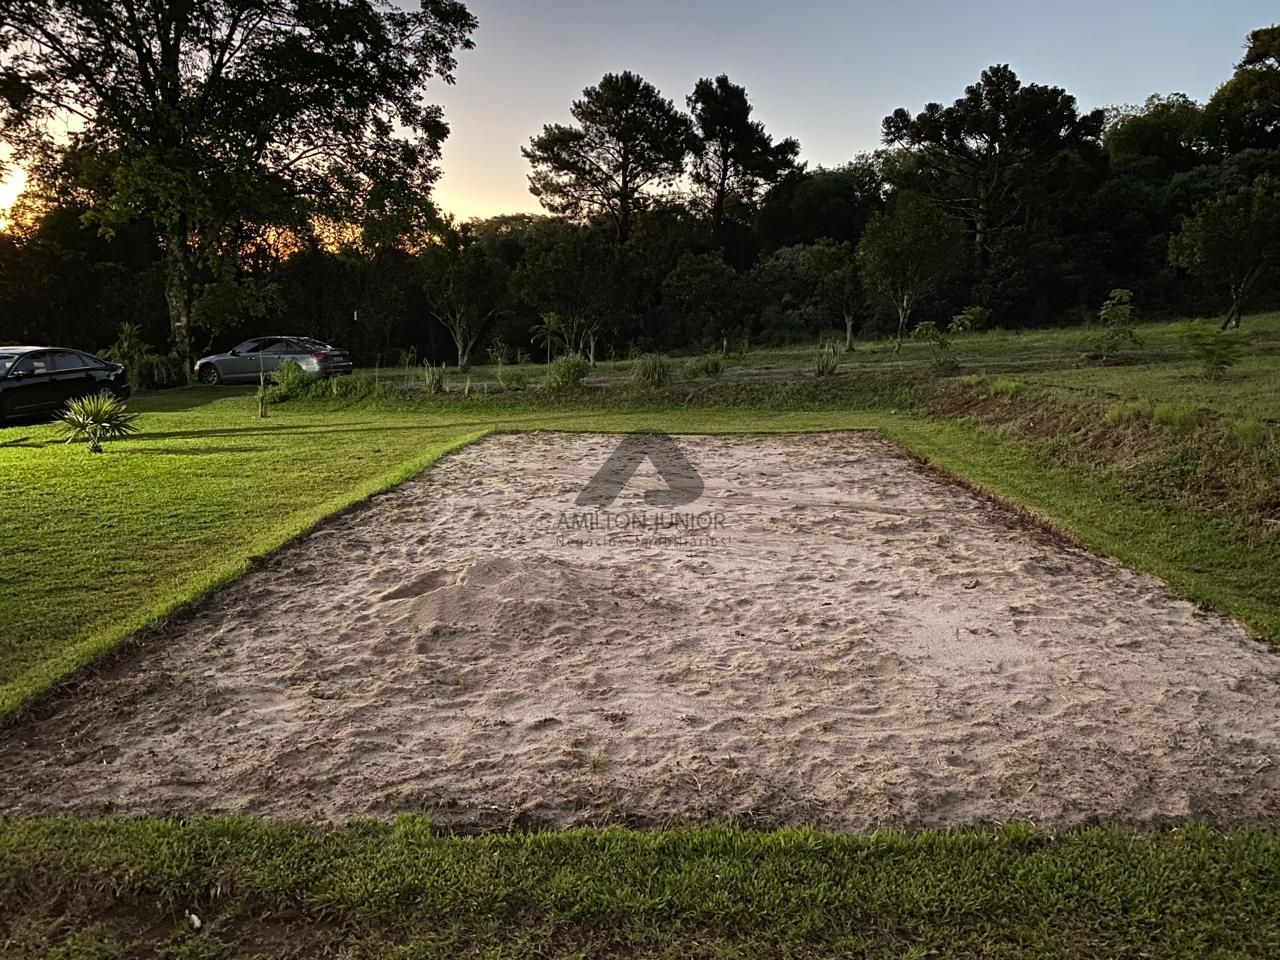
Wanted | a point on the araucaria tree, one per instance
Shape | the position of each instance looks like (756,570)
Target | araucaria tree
(1232,241)
(908,253)
(629,145)
(734,159)
(991,152)
(206,114)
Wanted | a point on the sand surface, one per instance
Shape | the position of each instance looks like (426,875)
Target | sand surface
(843,639)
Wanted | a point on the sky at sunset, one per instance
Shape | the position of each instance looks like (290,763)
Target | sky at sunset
(824,72)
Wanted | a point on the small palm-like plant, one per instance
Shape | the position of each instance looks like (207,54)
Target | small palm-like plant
(97,418)
(828,361)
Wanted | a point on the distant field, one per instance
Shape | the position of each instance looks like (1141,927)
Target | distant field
(993,349)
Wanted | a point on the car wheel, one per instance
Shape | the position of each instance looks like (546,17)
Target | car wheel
(210,375)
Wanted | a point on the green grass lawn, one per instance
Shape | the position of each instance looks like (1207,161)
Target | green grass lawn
(109,888)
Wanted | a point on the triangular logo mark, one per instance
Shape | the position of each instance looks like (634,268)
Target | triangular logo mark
(683,483)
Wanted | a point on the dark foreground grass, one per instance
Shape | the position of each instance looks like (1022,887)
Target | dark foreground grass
(127,889)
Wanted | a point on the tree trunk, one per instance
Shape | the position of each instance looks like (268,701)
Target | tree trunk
(591,347)
(1233,314)
(980,234)
(848,333)
(1239,293)
(718,204)
(904,314)
(178,295)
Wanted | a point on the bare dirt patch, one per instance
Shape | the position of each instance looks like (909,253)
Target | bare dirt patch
(834,637)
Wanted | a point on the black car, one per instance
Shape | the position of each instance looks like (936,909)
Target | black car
(38,380)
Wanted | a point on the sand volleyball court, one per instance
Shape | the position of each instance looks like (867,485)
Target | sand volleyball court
(823,633)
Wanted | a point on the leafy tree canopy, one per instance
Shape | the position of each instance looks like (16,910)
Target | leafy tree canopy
(990,151)
(628,147)
(204,114)
(734,158)
(907,253)
(1233,241)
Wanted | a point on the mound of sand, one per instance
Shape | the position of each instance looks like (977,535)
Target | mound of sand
(828,634)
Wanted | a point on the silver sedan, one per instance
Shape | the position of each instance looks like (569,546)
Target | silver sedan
(247,361)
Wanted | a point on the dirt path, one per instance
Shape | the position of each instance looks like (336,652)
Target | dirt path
(848,641)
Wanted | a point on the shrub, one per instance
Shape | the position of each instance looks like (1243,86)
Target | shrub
(147,370)
(566,372)
(1215,352)
(161,370)
(970,319)
(509,379)
(129,351)
(1128,411)
(433,377)
(651,370)
(501,352)
(932,333)
(358,387)
(97,418)
(828,361)
(1116,317)
(292,380)
(1118,309)
(408,358)
(1177,416)
(708,365)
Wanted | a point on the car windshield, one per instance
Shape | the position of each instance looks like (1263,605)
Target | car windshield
(6,361)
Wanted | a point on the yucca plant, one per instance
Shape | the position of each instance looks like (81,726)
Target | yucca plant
(708,365)
(97,418)
(828,361)
(433,377)
(651,370)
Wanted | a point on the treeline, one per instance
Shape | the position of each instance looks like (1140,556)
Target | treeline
(691,228)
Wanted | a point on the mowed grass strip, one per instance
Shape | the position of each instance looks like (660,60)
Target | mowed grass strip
(114,888)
